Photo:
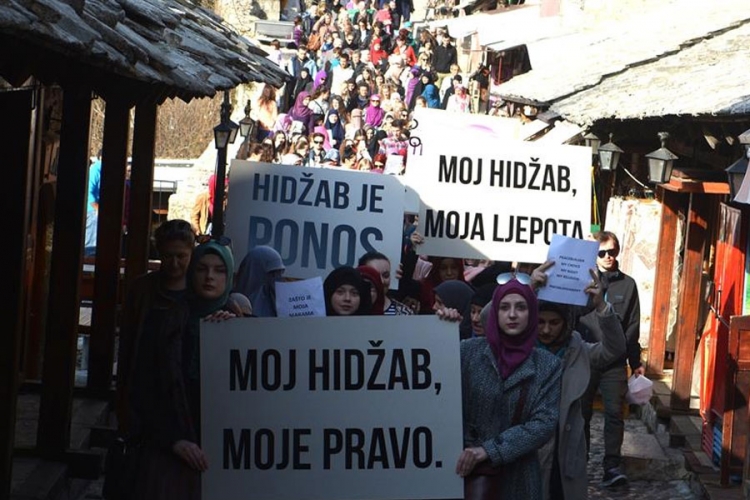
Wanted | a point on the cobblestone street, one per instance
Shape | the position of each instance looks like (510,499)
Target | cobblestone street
(635,489)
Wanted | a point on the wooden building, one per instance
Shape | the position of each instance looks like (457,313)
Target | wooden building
(56,56)
(679,68)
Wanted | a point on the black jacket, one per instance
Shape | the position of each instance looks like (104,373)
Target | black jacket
(622,293)
(444,57)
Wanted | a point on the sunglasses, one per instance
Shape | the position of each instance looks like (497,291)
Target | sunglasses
(222,240)
(318,142)
(522,278)
(611,252)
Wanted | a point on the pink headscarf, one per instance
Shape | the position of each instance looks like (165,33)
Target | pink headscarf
(322,130)
(374,114)
(512,350)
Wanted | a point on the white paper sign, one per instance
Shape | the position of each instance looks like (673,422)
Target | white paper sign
(300,298)
(569,277)
(487,196)
(353,408)
(394,165)
(318,219)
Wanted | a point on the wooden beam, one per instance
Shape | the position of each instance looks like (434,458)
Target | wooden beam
(58,374)
(141,187)
(15,129)
(108,245)
(692,186)
(691,291)
(665,259)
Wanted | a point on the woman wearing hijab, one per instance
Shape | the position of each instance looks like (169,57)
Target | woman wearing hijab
(377,54)
(563,458)
(302,113)
(346,293)
(374,114)
(334,128)
(455,294)
(459,102)
(377,294)
(303,83)
(411,86)
(430,91)
(257,275)
(321,78)
(482,296)
(442,269)
(166,381)
(511,397)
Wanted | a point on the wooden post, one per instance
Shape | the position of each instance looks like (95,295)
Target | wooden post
(665,258)
(691,290)
(734,420)
(108,245)
(15,129)
(141,186)
(58,374)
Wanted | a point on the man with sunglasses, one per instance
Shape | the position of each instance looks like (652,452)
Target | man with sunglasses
(317,153)
(622,292)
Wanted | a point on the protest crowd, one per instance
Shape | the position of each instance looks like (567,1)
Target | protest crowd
(542,360)
(529,368)
(358,72)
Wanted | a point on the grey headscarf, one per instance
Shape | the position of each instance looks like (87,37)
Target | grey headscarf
(256,279)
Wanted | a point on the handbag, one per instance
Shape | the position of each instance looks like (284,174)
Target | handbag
(314,42)
(121,467)
(485,482)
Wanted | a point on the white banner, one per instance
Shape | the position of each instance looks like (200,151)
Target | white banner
(484,195)
(318,219)
(331,408)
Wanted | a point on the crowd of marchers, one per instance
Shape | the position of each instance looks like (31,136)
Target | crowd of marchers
(529,368)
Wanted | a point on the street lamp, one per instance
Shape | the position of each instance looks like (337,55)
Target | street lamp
(609,155)
(592,141)
(737,170)
(736,174)
(247,125)
(661,161)
(224,134)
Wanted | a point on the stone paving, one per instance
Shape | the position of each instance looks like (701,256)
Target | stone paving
(636,488)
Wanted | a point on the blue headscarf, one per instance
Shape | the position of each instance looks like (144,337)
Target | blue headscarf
(337,129)
(430,93)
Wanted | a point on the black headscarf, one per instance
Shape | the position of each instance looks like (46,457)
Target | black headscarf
(457,295)
(347,276)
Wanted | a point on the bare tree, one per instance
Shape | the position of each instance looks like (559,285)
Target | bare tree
(183,130)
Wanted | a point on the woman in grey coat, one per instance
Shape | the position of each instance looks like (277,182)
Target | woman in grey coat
(500,372)
(563,458)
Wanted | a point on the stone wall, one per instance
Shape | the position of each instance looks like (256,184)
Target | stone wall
(241,14)
(196,182)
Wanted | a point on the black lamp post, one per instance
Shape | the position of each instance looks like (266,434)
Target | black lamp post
(661,161)
(609,155)
(224,134)
(248,127)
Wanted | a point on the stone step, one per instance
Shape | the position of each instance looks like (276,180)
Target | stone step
(36,479)
(648,457)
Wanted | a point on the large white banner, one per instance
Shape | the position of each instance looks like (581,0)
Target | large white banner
(331,408)
(484,195)
(318,219)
